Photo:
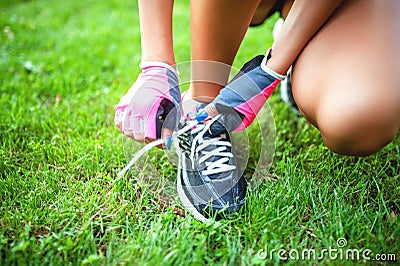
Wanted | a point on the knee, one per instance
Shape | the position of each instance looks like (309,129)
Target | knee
(358,127)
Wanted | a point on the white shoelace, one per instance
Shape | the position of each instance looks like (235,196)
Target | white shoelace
(221,150)
(215,167)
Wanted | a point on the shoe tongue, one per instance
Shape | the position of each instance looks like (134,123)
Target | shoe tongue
(216,129)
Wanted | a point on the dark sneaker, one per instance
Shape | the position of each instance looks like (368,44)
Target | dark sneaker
(287,94)
(210,183)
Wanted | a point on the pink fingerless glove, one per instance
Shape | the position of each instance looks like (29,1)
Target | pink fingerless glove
(152,98)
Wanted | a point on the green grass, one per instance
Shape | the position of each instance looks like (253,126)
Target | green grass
(64,65)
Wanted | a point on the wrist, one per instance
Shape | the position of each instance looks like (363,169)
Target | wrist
(269,66)
(149,64)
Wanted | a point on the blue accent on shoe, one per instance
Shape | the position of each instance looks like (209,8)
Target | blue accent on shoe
(201,116)
(210,183)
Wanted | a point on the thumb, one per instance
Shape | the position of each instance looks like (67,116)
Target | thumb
(166,134)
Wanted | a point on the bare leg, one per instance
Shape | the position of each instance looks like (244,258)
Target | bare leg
(263,9)
(286,8)
(216,37)
(346,80)
(156,30)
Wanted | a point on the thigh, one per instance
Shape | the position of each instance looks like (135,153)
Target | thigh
(352,63)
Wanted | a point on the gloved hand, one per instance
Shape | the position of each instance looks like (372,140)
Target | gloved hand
(242,98)
(141,113)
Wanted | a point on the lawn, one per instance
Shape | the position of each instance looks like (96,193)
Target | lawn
(64,65)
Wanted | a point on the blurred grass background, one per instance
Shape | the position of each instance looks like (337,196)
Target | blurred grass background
(64,65)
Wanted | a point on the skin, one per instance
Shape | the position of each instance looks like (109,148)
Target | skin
(262,11)
(303,21)
(342,54)
(156,42)
(346,82)
(209,42)
(156,31)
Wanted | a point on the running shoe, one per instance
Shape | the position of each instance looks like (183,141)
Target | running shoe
(287,93)
(209,183)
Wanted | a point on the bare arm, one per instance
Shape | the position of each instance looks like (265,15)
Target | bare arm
(156,30)
(303,21)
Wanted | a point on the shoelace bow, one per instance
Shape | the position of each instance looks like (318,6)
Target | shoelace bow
(212,167)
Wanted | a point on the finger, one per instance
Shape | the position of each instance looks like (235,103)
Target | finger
(138,128)
(119,126)
(139,137)
(166,134)
(118,118)
(133,127)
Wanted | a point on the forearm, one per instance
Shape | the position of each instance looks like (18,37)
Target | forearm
(303,21)
(156,30)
